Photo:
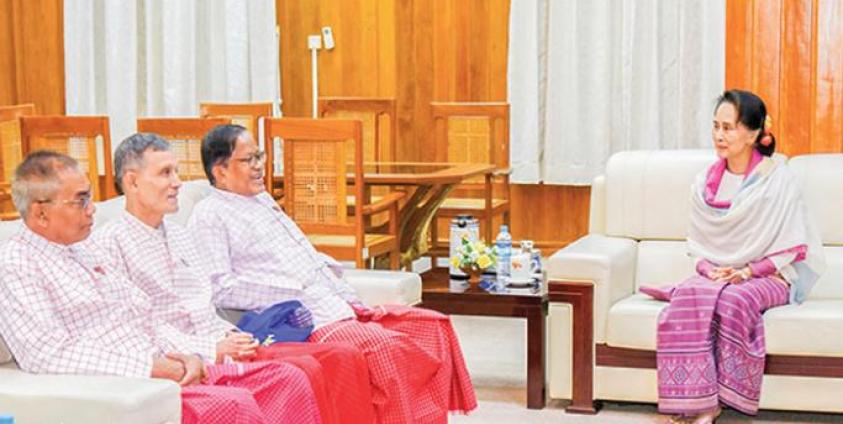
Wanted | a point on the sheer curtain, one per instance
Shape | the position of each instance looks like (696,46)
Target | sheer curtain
(128,59)
(617,75)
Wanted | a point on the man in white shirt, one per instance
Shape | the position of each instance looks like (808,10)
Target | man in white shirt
(161,258)
(65,309)
(260,257)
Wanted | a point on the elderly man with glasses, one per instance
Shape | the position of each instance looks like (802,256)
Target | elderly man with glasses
(66,309)
(161,258)
(258,257)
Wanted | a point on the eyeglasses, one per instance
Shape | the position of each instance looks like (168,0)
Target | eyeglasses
(254,159)
(82,202)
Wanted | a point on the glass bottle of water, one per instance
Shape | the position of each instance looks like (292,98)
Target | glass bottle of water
(504,246)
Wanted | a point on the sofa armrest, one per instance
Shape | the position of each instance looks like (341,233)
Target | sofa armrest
(73,398)
(607,262)
(377,287)
(373,287)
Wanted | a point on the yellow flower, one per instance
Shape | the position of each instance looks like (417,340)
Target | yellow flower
(768,123)
(484,261)
(455,261)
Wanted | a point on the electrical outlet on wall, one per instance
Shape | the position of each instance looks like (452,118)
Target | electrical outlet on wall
(328,37)
(314,42)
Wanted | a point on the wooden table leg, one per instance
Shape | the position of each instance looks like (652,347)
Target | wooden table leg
(536,357)
(581,298)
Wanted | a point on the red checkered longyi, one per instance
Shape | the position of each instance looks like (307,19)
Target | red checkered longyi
(261,257)
(416,365)
(260,392)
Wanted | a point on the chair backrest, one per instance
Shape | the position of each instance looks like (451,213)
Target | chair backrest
(472,133)
(378,117)
(16,111)
(10,152)
(75,136)
(245,114)
(185,136)
(316,174)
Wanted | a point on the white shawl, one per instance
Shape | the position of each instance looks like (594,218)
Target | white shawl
(767,217)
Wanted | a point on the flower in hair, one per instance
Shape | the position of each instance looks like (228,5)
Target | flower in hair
(767,138)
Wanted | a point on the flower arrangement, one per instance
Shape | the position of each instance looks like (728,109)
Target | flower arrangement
(474,257)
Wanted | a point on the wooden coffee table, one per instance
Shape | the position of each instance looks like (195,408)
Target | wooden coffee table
(439,294)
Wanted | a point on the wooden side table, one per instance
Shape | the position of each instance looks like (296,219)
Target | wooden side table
(530,304)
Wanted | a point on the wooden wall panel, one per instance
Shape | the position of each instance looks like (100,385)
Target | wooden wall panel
(828,98)
(790,52)
(32,54)
(765,52)
(796,81)
(37,33)
(8,91)
(361,64)
(550,215)
(420,51)
(739,43)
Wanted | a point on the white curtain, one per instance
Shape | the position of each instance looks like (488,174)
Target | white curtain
(134,58)
(619,75)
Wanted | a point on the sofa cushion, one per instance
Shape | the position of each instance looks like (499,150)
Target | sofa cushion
(819,175)
(5,354)
(812,328)
(830,284)
(662,263)
(807,329)
(377,287)
(108,210)
(70,398)
(632,322)
(648,192)
(190,194)
(9,228)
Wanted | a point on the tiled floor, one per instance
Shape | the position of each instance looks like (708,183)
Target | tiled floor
(494,350)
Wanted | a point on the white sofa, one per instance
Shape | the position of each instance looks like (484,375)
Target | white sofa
(638,219)
(71,399)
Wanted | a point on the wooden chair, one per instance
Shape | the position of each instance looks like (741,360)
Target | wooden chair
(378,116)
(246,114)
(10,153)
(473,133)
(75,136)
(316,183)
(378,119)
(185,136)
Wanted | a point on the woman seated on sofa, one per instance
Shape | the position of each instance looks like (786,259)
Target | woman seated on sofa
(756,249)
